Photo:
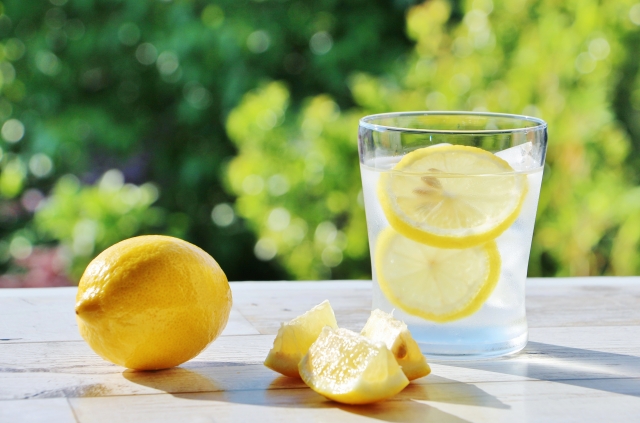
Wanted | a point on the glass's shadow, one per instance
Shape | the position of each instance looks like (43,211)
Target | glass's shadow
(441,389)
(604,371)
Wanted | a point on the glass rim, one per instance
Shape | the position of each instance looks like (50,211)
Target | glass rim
(366,123)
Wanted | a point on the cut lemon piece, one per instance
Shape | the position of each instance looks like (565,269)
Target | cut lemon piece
(294,338)
(349,368)
(451,196)
(437,284)
(382,327)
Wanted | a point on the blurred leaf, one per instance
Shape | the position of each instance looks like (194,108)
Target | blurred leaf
(542,58)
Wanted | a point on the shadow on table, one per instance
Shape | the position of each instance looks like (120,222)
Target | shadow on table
(407,406)
(172,381)
(602,371)
(284,392)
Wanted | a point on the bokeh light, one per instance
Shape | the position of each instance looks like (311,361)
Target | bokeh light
(12,130)
(235,127)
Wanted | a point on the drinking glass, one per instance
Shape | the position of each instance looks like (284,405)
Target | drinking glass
(450,201)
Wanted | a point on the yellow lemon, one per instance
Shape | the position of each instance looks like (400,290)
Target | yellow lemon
(349,368)
(294,338)
(382,327)
(451,196)
(438,284)
(152,302)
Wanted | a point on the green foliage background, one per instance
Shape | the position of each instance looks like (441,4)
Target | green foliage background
(232,124)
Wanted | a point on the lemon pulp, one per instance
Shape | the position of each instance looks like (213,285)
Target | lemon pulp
(382,327)
(349,368)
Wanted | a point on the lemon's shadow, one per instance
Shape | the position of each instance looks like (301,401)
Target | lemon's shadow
(176,380)
(263,389)
(402,412)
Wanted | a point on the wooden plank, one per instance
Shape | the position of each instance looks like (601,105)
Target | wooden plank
(238,325)
(40,411)
(27,386)
(38,314)
(538,401)
(71,369)
(566,302)
(582,281)
(452,402)
(550,303)
(266,306)
(575,342)
(62,291)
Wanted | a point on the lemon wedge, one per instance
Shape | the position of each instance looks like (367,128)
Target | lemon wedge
(451,196)
(382,327)
(349,368)
(294,338)
(437,284)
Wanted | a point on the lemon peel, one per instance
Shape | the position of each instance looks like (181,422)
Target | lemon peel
(152,302)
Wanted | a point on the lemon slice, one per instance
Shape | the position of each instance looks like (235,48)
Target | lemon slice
(294,338)
(349,368)
(383,327)
(451,196)
(437,284)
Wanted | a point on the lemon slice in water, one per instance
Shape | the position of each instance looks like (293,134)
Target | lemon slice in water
(438,284)
(451,196)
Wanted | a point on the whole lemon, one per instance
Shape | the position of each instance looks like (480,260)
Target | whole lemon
(152,302)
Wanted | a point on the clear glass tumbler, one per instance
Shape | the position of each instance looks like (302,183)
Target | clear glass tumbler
(450,200)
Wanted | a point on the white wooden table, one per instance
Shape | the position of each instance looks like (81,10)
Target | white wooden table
(582,364)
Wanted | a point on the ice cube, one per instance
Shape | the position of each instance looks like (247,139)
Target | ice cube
(519,157)
(442,144)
